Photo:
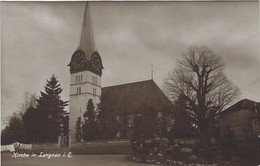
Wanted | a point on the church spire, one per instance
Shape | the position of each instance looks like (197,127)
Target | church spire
(87,40)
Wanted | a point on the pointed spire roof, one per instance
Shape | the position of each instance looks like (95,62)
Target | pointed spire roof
(87,41)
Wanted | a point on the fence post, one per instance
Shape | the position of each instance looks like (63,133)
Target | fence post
(69,142)
(59,142)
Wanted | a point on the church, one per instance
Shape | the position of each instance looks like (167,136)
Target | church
(85,83)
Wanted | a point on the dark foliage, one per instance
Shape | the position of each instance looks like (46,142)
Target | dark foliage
(31,122)
(145,125)
(14,132)
(17,129)
(149,149)
(184,127)
(107,128)
(228,144)
(50,111)
(90,126)
(48,120)
(78,127)
(107,124)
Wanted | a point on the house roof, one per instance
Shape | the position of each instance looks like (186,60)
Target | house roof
(132,96)
(245,103)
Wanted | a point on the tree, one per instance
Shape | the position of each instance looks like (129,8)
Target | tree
(107,124)
(51,111)
(90,123)
(200,82)
(184,125)
(31,123)
(78,127)
(145,125)
(18,130)
(29,101)
(14,132)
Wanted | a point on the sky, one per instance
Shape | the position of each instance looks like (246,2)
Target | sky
(39,38)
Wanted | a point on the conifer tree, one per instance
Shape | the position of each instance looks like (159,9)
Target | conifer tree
(107,125)
(51,110)
(78,127)
(90,123)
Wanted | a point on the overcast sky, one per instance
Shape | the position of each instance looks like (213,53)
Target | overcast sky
(39,38)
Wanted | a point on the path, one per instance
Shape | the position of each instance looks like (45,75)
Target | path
(77,160)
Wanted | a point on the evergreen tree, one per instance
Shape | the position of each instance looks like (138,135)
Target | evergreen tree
(31,122)
(78,127)
(51,112)
(14,132)
(107,123)
(66,128)
(90,123)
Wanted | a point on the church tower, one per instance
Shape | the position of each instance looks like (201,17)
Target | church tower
(85,73)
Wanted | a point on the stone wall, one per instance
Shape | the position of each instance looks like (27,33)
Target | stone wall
(186,141)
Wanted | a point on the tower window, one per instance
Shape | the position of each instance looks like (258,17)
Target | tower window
(94,79)
(94,91)
(78,90)
(78,78)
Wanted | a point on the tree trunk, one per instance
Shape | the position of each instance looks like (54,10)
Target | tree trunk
(204,134)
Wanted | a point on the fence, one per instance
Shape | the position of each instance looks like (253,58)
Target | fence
(186,141)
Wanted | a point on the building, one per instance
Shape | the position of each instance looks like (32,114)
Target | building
(85,73)
(243,120)
(85,83)
(132,97)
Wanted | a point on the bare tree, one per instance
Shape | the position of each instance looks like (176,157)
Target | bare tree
(29,100)
(199,81)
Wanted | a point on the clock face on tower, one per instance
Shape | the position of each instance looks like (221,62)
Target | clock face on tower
(78,61)
(96,62)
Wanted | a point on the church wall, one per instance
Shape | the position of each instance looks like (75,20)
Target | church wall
(86,77)
(78,105)
(240,123)
(78,101)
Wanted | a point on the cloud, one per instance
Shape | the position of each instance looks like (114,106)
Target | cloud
(38,39)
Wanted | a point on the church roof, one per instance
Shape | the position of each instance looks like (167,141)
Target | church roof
(87,40)
(132,96)
(242,104)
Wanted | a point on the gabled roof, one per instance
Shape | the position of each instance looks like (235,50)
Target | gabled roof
(132,96)
(245,103)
